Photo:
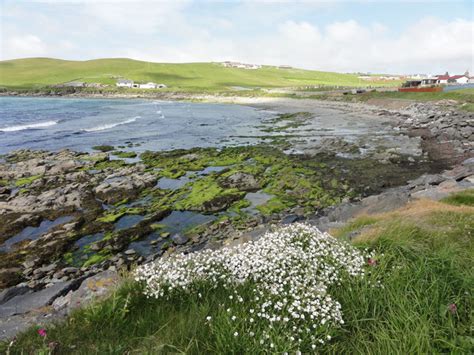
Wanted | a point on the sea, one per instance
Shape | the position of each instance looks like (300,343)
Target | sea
(79,124)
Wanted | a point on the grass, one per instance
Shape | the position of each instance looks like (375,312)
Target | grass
(425,265)
(39,72)
(464,95)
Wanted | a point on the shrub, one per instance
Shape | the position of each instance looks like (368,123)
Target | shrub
(283,280)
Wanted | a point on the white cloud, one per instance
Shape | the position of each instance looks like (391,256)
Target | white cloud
(169,31)
(23,46)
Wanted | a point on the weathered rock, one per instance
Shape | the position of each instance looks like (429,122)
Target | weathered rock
(179,239)
(31,301)
(93,287)
(242,181)
(11,292)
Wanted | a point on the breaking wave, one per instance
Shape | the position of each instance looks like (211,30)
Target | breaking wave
(110,125)
(28,126)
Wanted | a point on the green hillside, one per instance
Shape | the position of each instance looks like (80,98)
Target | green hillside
(38,72)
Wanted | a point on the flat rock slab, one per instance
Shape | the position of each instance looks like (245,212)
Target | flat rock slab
(33,301)
(11,326)
(92,288)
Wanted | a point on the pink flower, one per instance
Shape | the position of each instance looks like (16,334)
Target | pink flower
(372,262)
(42,332)
(452,308)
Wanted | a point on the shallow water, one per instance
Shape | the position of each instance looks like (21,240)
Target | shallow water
(128,221)
(176,222)
(33,233)
(88,239)
(256,199)
(79,124)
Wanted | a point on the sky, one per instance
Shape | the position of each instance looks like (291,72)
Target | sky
(381,36)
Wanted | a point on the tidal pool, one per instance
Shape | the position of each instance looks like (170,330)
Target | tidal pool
(33,233)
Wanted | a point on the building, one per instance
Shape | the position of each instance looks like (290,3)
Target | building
(151,85)
(229,64)
(459,79)
(124,83)
(454,79)
(443,79)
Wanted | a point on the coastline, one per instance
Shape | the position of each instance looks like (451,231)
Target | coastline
(446,134)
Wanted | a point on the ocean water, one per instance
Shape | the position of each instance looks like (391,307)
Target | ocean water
(79,124)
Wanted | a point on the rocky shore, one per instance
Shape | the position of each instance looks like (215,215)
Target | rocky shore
(71,221)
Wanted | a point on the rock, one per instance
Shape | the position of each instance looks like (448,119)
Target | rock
(242,181)
(63,166)
(130,252)
(70,270)
(292,218)
(11,326)
(31,301)
(93,287)
(458,173)
(468,162)
(11,292)
(179,239)
(27,220)
(10,277)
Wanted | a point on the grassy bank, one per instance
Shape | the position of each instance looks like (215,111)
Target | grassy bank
(201,77)
(416,298)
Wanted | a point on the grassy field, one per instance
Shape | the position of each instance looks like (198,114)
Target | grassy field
(39,72)
(425,304)
(464,95)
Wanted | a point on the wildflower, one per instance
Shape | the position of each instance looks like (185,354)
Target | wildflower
(208,318)
(292,268)
(453,308)
(236,334)
(42,332)
(372,262)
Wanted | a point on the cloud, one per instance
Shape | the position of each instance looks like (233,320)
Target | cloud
(23,46)
(256,32)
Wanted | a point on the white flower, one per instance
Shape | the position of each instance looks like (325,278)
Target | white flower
(291,270)
(208,318)
(236,334)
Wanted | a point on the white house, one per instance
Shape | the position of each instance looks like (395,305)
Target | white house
(459,79)
(124,83)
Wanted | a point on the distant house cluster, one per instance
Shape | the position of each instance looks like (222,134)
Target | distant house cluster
(455,79)
(444,79)
(125,83)
(229,64)
(431,79)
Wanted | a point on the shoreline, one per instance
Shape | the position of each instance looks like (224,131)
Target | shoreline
(95,192)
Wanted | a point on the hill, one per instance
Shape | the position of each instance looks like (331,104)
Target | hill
(37,72)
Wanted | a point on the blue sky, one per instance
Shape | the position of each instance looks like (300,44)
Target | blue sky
(347,36)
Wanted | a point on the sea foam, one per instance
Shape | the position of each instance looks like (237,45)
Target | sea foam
(28,126)
(110,125)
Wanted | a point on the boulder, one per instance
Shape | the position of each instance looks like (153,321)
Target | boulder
(179,239)
(242,181)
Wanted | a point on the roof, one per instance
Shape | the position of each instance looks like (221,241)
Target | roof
(443,77)
(458,76)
